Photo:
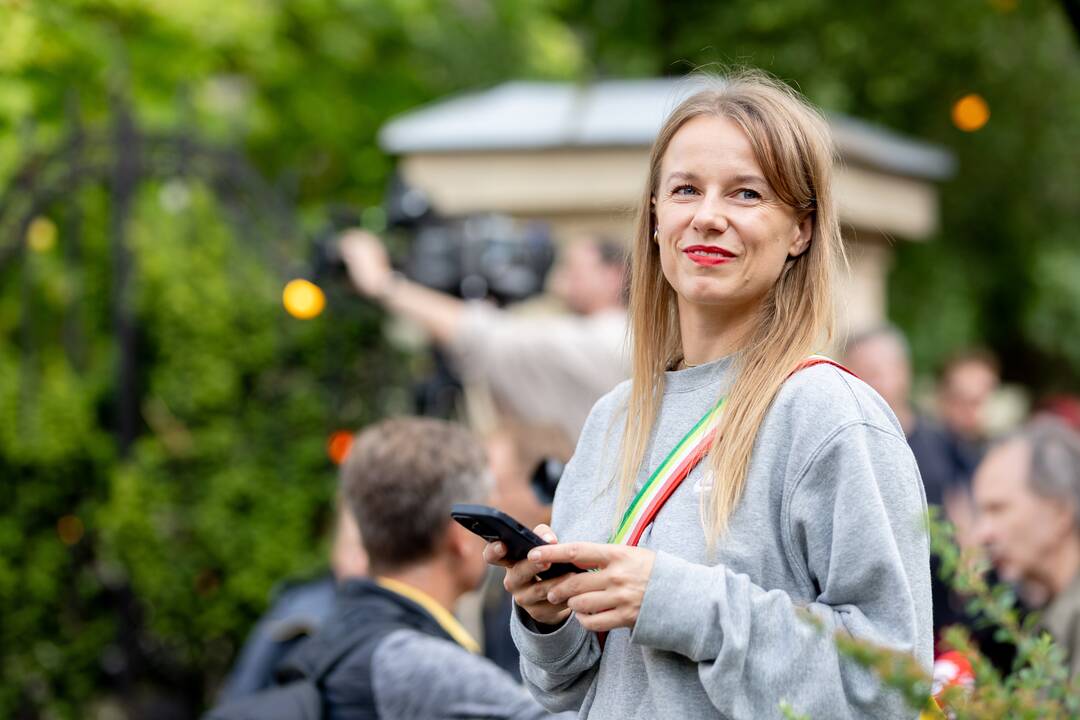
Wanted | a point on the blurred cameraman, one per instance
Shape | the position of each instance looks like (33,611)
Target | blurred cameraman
(544,370)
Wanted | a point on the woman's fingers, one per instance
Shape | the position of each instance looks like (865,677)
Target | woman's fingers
(523,573)
(537,593)
(521,581)
(608,598)
(593,603)
(545,533)
(604,621)
(495,554)
(574,584)
(611,596)
(531,595)
(583,554)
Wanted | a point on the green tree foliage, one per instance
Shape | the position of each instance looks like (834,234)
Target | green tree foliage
(225,492)
(132,576)
(137,577)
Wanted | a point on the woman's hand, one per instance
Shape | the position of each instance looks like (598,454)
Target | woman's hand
(531,595)
(605,599)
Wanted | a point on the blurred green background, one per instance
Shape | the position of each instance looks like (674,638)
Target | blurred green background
(129,574)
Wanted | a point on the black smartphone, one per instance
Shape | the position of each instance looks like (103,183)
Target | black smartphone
(492,525)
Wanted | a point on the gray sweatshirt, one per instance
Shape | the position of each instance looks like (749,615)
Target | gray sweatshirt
(831,522)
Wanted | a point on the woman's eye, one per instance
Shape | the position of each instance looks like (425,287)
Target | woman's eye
(684,190)
(748,194)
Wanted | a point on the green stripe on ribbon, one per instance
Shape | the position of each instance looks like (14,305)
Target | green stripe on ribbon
(661,474)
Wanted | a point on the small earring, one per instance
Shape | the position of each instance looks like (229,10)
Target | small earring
(656,233)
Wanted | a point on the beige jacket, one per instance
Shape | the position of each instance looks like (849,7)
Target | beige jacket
(543,369)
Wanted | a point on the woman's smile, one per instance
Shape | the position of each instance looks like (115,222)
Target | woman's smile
(708,255)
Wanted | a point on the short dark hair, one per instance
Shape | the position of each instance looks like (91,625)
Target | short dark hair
(886,330)
(969,356)
(400,479)
(612,252)
(615,255)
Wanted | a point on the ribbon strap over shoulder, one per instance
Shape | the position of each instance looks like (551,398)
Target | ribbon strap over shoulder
(679,463)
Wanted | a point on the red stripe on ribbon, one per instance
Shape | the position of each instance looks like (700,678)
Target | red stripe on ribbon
(810,362)
(681,471)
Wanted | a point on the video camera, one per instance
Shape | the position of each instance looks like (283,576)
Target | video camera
(471,257)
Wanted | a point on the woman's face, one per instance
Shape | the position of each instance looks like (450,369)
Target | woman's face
(723,233)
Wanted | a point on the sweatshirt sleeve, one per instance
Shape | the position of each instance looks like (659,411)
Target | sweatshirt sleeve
(855,532)
(557,667)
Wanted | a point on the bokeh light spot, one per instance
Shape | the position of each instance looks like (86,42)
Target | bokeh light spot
(339,445)
(70,529)
(303,299)
(970,113)
(41,235)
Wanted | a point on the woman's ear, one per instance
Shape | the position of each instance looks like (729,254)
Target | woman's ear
(801,241)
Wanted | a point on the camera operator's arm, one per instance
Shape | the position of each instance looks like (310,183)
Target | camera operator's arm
(370,272)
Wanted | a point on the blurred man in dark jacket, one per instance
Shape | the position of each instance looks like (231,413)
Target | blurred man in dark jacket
(409,657)
(297,612)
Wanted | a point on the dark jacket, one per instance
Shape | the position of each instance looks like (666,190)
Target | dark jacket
(367,613)
(298,610)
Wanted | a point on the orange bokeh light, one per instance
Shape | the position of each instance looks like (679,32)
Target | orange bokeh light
(339,445)
(970,113)
(303,299)
(70,529)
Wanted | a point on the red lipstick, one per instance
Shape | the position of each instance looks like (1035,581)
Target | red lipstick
(708,255)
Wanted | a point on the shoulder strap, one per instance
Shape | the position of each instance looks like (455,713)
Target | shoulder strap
(681,462)
(819,360)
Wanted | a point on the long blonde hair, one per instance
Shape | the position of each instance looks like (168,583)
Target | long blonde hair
(793,146)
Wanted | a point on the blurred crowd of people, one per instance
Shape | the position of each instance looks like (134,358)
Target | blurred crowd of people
(1015,497)
(380,623)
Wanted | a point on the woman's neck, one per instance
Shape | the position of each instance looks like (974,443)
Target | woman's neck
(712,332)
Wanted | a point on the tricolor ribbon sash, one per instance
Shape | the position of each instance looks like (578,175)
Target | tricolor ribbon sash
(678,464)
(667,476)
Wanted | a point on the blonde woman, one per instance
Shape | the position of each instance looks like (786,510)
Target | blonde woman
(808,501)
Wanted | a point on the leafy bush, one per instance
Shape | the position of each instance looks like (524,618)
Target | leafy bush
(151,567)
(135,577)
(1038,686)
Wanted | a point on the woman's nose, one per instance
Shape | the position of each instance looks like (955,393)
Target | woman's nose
(711,216)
